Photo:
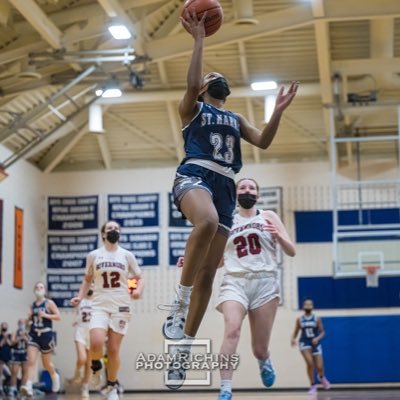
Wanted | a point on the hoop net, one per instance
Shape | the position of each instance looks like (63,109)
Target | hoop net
(372,275)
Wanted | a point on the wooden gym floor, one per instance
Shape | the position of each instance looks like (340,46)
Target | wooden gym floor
(382,394)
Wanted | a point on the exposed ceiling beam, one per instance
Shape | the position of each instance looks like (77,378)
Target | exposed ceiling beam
(176,130)
(168,25)
(114,10)
(249,105)
(306,89)
(137,132)
(61,149)
(367,66)
(275,22)
(340,10)
(173,119)
(321,30)
(4,12)
(104,149)
(315,138)
(139,3)
(382,46)
(21,48)
(73,125)
(269,23)
(81,13)
(39,20)
(252,120)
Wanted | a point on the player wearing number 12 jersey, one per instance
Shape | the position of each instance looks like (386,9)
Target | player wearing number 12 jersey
(250,284)
(109,268)
(204,187)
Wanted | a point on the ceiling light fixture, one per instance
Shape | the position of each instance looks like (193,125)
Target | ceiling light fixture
(266,85)
(119,32)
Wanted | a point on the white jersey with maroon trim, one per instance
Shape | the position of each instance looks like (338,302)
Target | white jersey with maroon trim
(250,248)
(111,270)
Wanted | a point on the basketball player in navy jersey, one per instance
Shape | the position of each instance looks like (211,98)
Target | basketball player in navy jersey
(41,338)
(204,187)
(19,357)
(312,332)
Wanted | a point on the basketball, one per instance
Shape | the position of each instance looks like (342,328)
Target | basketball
(215,15)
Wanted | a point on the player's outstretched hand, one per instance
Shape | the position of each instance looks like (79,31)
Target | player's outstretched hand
(75,301)
(194,25)
(283,99)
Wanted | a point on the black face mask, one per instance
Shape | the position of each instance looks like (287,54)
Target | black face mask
(4,329)
(90,292)
(112,236)
(308,310)
(247,200)
(219,89)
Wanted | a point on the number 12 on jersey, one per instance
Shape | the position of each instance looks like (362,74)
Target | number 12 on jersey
(110,279)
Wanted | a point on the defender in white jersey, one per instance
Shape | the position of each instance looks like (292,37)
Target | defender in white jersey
(82,344)
(109,268)
(250,284)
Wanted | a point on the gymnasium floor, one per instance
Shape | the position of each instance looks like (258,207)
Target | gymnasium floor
(329,395)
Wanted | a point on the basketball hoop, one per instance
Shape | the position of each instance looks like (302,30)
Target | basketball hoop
(372,275)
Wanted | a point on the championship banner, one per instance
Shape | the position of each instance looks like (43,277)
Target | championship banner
(175,216)
(69,251)
(18,247)
(133,210)
(177,243)
(144,245)
(73,213)
(62,288)
(1,240)
(271,199)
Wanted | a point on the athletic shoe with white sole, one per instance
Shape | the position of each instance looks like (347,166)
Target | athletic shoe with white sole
(174,326)
(267,373)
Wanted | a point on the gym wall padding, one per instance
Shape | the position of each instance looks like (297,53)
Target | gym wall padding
(317,226)
(362,349)
(330,293)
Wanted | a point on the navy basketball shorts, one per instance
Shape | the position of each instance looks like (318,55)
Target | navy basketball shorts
(19,358)
(306,344)
(44,341)
(221,188)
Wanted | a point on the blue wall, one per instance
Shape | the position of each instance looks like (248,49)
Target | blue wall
(362,349)
(330,293)
(317,226)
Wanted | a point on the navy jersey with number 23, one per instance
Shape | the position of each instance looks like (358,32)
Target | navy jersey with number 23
(214,134)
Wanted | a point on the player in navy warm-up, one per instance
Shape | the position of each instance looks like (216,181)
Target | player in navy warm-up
(312,332)
(204,187)
(41,338)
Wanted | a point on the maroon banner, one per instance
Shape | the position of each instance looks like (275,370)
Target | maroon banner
(1,241)
(18,249)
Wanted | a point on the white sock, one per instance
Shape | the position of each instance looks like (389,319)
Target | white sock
(226,385)
(189,339)
(184,293)
(261,363)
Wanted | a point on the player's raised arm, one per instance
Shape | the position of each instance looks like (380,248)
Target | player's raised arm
(188,105)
